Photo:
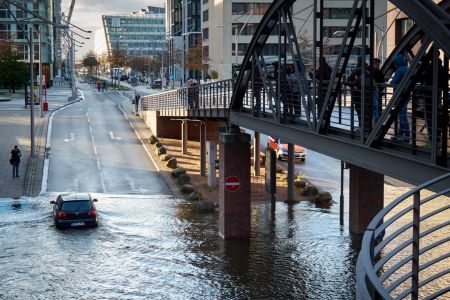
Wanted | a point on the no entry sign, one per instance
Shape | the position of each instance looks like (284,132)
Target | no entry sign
(232,184)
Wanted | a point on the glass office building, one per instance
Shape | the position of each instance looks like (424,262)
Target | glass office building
(138,34)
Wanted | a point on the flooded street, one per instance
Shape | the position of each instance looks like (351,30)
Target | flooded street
(155,247)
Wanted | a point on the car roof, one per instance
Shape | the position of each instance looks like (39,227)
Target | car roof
(75,196)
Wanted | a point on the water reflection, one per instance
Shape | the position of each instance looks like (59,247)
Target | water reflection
(156,247)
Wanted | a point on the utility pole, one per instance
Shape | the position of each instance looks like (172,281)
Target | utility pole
(30,33)
(40,71)
(73,66)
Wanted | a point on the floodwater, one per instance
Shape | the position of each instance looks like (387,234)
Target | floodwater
(156,247)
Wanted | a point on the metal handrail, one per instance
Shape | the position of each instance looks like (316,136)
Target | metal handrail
(212,95)
(373,269)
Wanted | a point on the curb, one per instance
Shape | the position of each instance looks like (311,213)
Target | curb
(167,177)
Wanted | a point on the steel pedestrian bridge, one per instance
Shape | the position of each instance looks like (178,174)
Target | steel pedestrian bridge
(340,119)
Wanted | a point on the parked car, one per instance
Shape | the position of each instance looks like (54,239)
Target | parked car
(157,84)
(75,210)
(281,149)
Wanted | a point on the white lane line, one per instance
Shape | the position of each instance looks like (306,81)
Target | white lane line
(102,179)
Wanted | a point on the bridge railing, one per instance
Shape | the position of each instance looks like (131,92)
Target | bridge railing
(356,118)
(404,251)
(213,95)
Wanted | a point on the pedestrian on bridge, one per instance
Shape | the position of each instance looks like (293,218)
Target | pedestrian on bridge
(403,133)
(15,160)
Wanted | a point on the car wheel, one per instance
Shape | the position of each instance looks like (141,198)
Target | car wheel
(302,160)
(279,156)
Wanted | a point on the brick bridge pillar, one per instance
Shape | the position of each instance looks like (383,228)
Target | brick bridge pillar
(234,205)
(366,198)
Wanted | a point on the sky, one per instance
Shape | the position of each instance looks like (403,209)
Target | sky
(87,14)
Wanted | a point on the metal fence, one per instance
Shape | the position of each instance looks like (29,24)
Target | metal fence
(405,248)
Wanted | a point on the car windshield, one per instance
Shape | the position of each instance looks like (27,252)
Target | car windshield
(76,206)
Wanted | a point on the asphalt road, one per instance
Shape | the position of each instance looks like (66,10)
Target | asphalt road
(94,149)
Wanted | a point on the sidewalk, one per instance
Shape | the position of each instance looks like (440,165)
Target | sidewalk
(15,129)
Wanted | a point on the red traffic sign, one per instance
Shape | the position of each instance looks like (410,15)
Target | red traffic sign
(232,184)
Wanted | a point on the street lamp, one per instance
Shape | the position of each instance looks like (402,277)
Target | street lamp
(238,32)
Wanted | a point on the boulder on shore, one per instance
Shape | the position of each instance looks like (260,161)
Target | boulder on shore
(183,179)
(165,157)
(172,163)
(323,198)
(310,191)
(204,206)
(161,151)
(178,171)
(195,196)
(187,188)
(153,140)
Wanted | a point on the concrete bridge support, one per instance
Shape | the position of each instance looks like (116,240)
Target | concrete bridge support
(184,137)
(202,148)
(256,154)
(366,198)
(234,185)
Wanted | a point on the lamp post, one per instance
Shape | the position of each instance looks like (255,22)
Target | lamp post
(238,32)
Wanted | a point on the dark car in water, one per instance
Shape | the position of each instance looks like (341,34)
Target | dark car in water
(75,210)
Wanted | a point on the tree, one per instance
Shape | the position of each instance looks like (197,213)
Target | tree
(118,58)
(13,72)
(195,60)
(90,61)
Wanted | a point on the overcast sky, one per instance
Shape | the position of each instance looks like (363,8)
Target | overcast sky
(87,14)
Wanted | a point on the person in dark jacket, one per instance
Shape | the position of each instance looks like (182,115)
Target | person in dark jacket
(378,77)
(400,71)
(15,160)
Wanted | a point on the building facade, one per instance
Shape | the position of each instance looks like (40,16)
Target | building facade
(138,34)
(226,24)
(184,38)
(13,33)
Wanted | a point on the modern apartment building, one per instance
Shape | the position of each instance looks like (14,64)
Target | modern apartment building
(226,24)
(11,32)
(227,27)
(137,34)
(184,37)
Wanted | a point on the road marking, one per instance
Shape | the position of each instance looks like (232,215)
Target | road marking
(72,138)
(111,135)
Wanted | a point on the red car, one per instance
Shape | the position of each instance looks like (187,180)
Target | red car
(281,149)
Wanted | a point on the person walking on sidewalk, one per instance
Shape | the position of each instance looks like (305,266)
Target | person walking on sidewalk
(137,97)
(15,160)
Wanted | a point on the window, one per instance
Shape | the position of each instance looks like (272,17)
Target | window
(243,8)
(76,206)
(205,33)
(205,15)
(206,52)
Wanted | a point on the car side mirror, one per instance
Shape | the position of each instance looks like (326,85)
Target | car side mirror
(52,202)
(95,200)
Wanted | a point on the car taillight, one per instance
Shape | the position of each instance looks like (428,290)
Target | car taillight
(62,214)
(92,213)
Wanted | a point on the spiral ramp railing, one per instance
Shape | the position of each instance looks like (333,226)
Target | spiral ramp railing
(404,251)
